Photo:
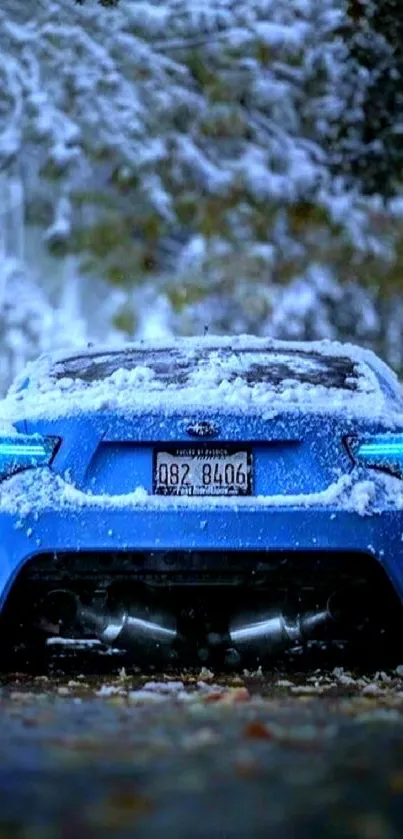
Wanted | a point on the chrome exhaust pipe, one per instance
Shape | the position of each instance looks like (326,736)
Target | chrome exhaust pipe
(62,608)
(275,633)
(127,631)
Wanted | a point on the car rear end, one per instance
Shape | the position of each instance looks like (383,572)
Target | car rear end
(208,501)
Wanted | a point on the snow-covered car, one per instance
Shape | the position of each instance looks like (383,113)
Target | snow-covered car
(212,495)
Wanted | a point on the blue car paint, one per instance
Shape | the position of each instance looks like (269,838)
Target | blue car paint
(108,453)
(247,529)
(112,455)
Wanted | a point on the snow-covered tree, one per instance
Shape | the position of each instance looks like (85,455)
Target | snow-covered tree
(200,151)
(29,325)
(372,150)
(137,123)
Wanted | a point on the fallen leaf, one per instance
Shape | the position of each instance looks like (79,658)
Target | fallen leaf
(256,730)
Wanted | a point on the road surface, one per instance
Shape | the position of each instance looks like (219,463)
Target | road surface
(197,754)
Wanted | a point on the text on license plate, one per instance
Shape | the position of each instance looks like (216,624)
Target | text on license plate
(202,471)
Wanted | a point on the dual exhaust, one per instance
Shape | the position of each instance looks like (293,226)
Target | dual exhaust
(145,629)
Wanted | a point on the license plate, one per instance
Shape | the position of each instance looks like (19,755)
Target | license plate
(202,471)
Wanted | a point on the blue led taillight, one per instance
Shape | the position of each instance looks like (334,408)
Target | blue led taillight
(380,451)
(25,451)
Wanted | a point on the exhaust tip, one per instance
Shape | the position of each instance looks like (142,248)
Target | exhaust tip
(141,628)
(275,632)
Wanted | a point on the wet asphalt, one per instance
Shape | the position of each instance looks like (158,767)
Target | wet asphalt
(302,753)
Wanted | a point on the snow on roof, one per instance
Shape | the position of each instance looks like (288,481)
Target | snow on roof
(240,374)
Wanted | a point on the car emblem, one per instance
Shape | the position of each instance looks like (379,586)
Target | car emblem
(203,428)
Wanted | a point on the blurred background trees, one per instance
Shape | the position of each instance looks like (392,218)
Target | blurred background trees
(176,164)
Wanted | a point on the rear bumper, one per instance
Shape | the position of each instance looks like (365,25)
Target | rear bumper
(214,529)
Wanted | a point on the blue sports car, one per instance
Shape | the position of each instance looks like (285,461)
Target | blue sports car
(216,496)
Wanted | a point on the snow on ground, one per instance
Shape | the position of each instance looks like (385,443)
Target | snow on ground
(383,687)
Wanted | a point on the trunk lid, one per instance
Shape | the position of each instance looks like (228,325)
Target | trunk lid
(280,411)
(288,455)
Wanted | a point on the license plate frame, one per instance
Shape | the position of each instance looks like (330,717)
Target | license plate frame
(238,456)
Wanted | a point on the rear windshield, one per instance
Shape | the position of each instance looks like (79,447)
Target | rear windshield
(177,367)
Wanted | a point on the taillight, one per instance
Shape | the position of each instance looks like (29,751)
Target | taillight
(22,451)
(380,451)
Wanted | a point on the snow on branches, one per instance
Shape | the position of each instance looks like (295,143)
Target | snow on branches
(198,147)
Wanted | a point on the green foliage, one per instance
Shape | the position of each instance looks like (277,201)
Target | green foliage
(125,321)
(199,69)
